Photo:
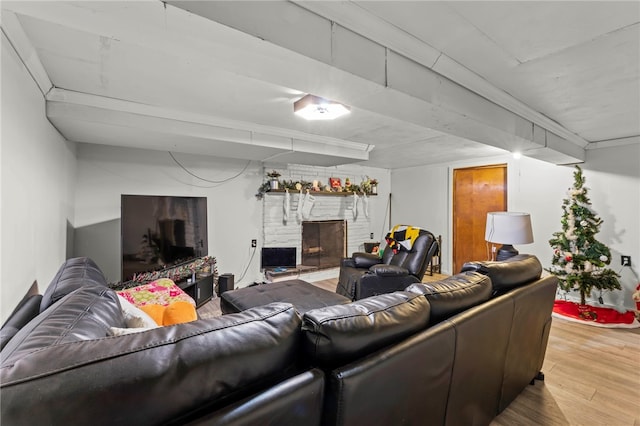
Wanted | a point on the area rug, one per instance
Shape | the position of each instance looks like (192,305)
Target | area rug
(593,315)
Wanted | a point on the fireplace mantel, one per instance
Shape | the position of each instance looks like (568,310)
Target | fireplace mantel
(329,193)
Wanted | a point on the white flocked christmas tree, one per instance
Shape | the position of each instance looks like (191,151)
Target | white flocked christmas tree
(579,260)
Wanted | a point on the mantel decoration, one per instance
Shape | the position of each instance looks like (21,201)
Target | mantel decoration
(273,179)
(579,260)
(368,186)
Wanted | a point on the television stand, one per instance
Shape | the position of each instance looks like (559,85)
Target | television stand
(200,290)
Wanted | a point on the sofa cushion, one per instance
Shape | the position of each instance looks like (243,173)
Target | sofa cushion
(507,274)
(154,375)
(454,294)
(73,274)
(337,334)
(85,314)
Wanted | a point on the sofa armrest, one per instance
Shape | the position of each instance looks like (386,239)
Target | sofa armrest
(28,309)
(365,260)
(385,270)
(347,262)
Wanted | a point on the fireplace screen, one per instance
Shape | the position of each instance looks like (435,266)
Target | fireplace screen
(324,243)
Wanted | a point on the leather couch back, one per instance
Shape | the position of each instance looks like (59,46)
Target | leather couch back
(415,260)
(141,378)
(530,328)
(62,368)
(508,274)
(453,294)
(482,337)
(336,335)
(462,370)
(73,274)
(85,314)
(403,384)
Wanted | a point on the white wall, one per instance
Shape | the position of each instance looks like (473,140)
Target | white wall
(37,178)
(234,214)
(537,187)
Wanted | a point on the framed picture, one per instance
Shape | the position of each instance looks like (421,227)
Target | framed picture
(335,182)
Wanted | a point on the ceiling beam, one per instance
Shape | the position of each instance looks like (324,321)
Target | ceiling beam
(421,96)
(226,138)
(409,90)
(361,21)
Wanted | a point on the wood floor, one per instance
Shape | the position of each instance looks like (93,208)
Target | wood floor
(592,376)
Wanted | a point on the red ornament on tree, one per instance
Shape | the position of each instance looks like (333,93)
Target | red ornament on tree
(568,258)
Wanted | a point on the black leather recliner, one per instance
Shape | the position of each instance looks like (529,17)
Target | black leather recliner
(364,274)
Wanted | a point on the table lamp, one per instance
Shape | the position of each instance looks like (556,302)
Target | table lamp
(508,228)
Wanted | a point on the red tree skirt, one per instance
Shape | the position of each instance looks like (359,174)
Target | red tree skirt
(592,315)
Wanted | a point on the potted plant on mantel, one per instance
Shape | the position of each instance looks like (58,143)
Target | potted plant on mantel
(374,186)
(273,176)
(369,186)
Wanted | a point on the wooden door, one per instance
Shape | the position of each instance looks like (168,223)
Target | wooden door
(476,191)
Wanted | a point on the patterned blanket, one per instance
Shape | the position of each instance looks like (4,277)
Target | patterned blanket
(402,237)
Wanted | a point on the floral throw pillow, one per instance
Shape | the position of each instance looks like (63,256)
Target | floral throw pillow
(159,292)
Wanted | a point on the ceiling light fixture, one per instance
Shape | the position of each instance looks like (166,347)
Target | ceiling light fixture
(312,107)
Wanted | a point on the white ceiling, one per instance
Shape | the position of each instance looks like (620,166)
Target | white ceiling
(428,82)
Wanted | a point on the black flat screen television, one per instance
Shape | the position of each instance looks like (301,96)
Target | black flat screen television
(278,257)
(159,232)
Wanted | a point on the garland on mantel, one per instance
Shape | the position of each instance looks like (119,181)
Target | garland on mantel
(206,264)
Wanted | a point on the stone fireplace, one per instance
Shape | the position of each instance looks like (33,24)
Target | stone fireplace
(324,243)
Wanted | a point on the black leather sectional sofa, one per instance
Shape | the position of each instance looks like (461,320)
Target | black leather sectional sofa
(453,352)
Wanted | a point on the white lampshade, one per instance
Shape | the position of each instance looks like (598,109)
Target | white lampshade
(508,228)
(313,107)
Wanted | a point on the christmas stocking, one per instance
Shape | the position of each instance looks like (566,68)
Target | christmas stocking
(308,205)
(286,206)
(299,208)
(355,206)
(365,205)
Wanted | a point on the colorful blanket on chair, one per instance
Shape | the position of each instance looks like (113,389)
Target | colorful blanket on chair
(402,237)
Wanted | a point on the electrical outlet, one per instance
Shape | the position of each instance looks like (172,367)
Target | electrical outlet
(371,235)
(254,243)
(625,260)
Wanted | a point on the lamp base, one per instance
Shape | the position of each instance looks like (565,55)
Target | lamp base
(505,252)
